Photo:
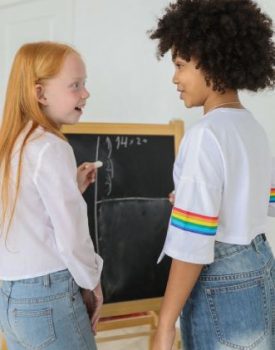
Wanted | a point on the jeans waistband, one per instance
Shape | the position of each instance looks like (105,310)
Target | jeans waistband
(226,249)
(45,280)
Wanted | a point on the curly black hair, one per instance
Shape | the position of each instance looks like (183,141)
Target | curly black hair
(231,39)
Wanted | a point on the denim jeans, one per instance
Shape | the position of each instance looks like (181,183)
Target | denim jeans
(45,313)
(232,306)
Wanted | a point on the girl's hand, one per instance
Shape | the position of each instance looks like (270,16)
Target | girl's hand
(171,197)
(86,174)
(164,339)
(93,301)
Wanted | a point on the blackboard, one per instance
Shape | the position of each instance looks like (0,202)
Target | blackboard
(128,207)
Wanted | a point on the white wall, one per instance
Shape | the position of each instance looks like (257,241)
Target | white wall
(126,81)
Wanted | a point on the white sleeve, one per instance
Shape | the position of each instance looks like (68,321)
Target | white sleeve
(55,179)
(271,208)
(194,219)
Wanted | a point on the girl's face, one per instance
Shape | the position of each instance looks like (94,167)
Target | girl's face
(64,96)
(191,83)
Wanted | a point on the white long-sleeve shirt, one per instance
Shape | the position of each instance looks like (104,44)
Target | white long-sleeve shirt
(224,187)
(49,231)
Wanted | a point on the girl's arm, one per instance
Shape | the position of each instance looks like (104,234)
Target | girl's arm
(55,178)
(93,301)
(182,278)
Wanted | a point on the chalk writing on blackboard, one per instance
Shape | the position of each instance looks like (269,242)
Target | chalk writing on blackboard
(109,166)
(126,141)
(128,209)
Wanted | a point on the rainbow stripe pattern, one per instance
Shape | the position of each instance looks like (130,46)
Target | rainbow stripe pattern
(272,195)
(192,222)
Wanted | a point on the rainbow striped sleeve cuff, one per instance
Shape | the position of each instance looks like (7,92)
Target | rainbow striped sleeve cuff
(188,221)
(272,195)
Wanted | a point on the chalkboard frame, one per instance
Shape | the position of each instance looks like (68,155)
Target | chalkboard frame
(174,128)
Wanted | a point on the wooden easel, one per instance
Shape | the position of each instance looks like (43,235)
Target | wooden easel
(121,315)
(131,314)
(174,128)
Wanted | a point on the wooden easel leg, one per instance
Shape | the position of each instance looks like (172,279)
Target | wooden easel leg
(153,328)
(151,338)
(177,343)
(3,343)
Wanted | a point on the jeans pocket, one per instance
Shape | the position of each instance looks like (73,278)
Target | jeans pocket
(239,313)
(34,328)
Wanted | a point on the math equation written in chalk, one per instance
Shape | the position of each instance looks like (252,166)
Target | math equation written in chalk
(120,143)
(128,141)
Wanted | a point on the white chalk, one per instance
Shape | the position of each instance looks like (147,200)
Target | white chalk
(98,164)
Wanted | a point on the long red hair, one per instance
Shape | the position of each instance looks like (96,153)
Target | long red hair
(33,64)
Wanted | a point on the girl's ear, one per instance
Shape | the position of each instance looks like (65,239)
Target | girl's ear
(40,94)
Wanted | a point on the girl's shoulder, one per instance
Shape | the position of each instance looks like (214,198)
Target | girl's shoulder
(224,121)
(42,137)
(42,142)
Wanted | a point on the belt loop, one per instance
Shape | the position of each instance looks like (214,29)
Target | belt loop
(257,240)
(263,237)
(255,245)
(46,280)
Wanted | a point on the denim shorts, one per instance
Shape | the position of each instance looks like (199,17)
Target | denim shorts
(45,313)
(232,306)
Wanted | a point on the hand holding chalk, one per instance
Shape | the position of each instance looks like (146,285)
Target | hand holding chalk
(86,174)
(98,164)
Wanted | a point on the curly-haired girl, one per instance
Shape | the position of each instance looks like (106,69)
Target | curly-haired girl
(222,265)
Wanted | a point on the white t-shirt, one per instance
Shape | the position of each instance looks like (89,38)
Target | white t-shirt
(223,182)
(49,231)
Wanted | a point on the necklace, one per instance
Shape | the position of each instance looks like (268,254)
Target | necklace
(224,104)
